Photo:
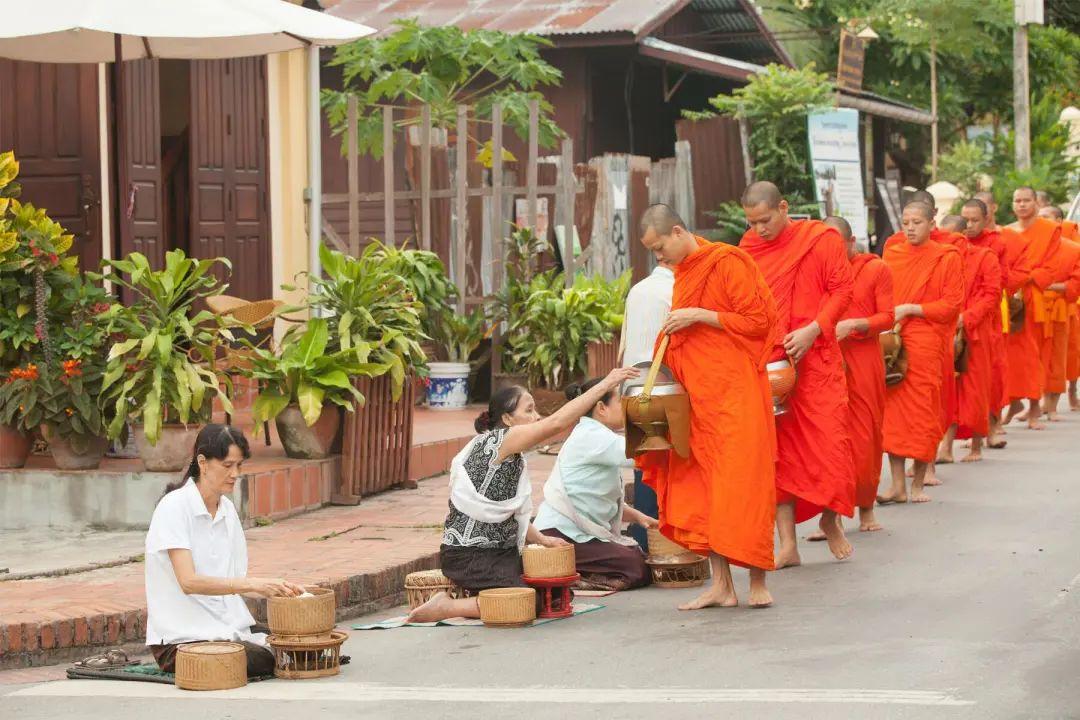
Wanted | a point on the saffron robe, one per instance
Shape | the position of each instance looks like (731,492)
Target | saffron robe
(807,269)
(1027,377)
(865,372)
(970,409)
(723,497)
(1065,265)
(930,275)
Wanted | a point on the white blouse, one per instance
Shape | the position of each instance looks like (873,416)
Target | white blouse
(218,549)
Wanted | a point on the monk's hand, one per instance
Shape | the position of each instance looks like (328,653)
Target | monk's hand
(907,310)
(845,328)
(798,342)
(681,319)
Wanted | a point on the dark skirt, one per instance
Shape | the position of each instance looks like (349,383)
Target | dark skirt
(608,565)
(474,569)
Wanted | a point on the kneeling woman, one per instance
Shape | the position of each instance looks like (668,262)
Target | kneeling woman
(583,498)
(491,496)
(196,559)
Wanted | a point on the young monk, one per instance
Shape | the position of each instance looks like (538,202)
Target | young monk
(807,269)
(721,501)
(928,287)
(1069,231)
(870,314)
(1013,263)
(1041,239)
(1060,302)
(969,408)
(937,234)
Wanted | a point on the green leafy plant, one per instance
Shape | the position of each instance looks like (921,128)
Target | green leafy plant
(161,367)
(964,165)
(460,335)
(303,373)
(426,280)
(443,67)
(365,302)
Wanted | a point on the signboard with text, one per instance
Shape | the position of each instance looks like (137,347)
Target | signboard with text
(837,167)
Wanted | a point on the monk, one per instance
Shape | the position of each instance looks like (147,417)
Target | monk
(869,314)
(982,231)
(722,500)
(806,266)
(1042,239)
(968,409)
(1069,231)
(921,196)
(1060,301)
(928,288)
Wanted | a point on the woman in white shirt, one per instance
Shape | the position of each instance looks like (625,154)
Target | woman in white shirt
(196,559)
(583,498)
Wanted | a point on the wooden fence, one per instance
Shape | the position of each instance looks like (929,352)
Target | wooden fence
(376,441)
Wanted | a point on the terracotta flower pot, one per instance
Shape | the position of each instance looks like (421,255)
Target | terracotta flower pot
(84,453)
(172,453)
(14,447)
(308,443)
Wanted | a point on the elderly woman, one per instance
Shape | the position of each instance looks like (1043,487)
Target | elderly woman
(491,496)
(583,498)
(196,559)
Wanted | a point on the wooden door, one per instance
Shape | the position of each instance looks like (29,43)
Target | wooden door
(141,217)
(230,210)
(49,117)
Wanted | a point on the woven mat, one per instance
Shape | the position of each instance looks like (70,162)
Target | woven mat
(396,622)
(147,672)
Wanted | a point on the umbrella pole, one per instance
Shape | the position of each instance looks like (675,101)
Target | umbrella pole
(118,146)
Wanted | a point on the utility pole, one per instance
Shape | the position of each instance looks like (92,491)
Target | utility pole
(1027,12)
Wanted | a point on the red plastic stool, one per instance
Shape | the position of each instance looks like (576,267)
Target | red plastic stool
(556,593)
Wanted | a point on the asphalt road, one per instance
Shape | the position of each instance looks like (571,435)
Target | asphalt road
(965,607)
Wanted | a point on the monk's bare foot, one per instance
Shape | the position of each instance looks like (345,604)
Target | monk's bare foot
(834,535)
(867,521)
(1053,416)
(1022,417)
(944,457)
(918,496)
(891,498)
(973,456)
(787,557)
(433,610)
(713,597)
(1036,425)
(1074,403)
(931,478)
(760,597)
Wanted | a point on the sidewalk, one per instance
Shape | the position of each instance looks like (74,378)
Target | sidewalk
(363,552)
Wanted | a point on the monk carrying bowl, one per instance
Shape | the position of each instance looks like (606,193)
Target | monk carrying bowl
(782,381)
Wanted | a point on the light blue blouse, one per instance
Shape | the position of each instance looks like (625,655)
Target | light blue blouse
(590,462)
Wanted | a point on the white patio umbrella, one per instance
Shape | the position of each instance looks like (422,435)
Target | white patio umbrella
(101,31)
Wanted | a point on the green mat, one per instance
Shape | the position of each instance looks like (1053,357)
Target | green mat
(146,672)
(396,622)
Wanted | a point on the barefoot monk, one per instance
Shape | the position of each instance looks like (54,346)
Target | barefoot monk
(806,266)
(722,500)
(928,287)
(1060,303)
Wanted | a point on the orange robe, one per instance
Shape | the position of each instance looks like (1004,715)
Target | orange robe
(936,234)
(1065,266)
(1070,230)
(1027,376)
(723,498)
(930,275)
(970,410)
(865,372)
(807,269)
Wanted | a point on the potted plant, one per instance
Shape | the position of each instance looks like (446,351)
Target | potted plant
(459,336)
(16,393)
(160,371)
(303,386)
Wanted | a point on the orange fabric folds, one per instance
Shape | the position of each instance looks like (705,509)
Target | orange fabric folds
(723,498)
(807,269)
(930,275)
(1027,376)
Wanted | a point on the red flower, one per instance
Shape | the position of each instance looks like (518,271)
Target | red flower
(72,368)
(54,258)
(100,307)
(36,252)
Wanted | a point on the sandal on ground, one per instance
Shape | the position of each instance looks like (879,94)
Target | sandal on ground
(107,660)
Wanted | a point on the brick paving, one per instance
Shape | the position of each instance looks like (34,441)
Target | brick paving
(363,552)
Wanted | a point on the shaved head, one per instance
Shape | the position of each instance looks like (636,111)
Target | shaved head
(924,209)
(660,218)
(842,226)
(977,217)
(1043,198)
(763,192)
(954,223)
(1025,204)
(986,196)
(921,196)
(1052,212)
(1024,191)
(978,204)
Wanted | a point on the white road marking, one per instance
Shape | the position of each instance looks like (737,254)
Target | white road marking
(366,693)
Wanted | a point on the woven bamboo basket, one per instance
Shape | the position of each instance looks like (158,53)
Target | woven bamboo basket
(678,571)
(543,562)
(302,616)
(423,585)
(302,659)
(211,666)
(660,546)
(507,607)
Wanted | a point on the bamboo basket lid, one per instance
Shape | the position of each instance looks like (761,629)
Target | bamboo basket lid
(211,666)
(507,607)
(427,578)
(312,615)
(661,545)
(544,562)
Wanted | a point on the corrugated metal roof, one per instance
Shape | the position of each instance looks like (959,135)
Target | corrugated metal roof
(543,17)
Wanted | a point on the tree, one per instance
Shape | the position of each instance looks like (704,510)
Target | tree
(443,67)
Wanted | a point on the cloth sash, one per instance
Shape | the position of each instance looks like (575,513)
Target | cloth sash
(466,499)
(556,496)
